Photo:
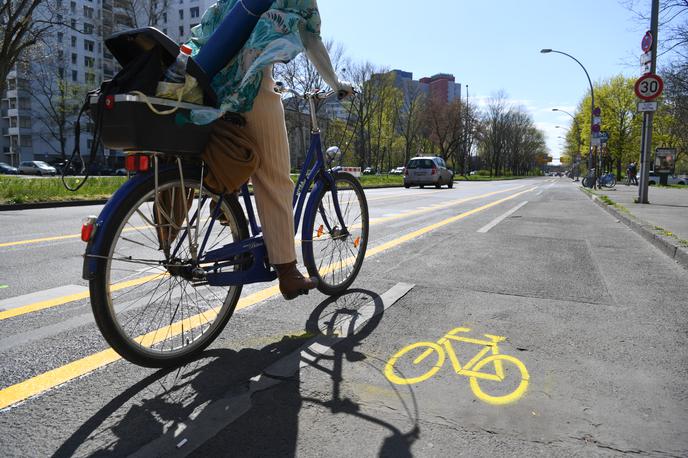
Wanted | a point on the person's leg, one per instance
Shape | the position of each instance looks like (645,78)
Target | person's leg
(274,188)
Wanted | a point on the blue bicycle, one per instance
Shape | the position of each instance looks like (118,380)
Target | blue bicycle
(167,258)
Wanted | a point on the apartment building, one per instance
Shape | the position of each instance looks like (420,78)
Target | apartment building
(71,60)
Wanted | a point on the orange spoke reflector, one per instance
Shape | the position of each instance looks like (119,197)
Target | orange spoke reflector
(357,241)
(320,231)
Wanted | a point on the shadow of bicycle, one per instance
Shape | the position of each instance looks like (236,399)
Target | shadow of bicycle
(257,391)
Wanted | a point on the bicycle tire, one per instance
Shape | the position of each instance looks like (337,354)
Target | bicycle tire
(612,182)
(509,397)
(114,315)
(391,374)
(335,277)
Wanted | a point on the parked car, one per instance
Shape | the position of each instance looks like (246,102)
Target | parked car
(7,169)
(368,171)
(654,179)
(397,171)
(430,170)
(121,172)
(36,168)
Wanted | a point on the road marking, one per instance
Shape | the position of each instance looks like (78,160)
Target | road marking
(51,379)
(54,302)
(471,369)
(40,296)
(217,415)
(501,218)
(540,193)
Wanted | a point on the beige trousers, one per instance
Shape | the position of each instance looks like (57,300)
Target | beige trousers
(272,185)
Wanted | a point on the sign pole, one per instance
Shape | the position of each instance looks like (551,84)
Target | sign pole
(648,116)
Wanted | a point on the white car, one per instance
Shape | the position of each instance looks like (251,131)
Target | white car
(36,168)
(654,179)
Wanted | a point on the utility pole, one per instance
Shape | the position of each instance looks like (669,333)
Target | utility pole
(648,116)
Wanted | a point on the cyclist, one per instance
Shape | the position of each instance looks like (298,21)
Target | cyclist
(285,29)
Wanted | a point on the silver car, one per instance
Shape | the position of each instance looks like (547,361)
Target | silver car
(428,170)
(36,168)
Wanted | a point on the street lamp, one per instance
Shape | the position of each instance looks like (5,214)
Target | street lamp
(557,109)
(592,95)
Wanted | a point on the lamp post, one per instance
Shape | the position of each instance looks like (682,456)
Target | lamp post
(592,96)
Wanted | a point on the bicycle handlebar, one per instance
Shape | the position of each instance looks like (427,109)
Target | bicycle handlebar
(317,94)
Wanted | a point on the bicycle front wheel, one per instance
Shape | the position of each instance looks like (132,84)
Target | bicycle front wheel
(333,253)
(148,295)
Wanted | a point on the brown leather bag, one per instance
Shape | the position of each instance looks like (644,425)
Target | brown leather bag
(230,158)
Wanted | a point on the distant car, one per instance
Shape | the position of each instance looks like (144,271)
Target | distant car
(36,168)
(121,172)
(7,169)
(397,171)
(368,171)
(428,170)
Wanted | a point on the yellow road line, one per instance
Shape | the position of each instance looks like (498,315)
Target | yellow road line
(36,306)
(51,379)
(30,308)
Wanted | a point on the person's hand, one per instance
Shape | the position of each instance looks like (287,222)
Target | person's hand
(344,90)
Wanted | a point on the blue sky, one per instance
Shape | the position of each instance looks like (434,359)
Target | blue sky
(495,45)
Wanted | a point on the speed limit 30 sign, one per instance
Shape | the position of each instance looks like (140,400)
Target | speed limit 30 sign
(649,86)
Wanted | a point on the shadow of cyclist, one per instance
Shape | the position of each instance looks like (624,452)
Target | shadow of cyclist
(151,411)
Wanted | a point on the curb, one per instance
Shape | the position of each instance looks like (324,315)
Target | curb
(64,203)
(666,245)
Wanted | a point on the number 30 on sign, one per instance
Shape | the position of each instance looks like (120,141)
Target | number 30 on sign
(649,86)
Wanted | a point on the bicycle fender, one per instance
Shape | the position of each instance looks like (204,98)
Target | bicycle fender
(95,245)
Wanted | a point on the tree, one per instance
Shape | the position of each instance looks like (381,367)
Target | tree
(57,98)
(22,24)
(410,119)
(443,124)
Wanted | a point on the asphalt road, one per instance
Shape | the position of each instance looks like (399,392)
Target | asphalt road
(589,319)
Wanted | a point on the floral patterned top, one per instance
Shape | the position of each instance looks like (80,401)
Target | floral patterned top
(276,38)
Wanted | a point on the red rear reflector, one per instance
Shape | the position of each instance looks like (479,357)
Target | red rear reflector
(137,163)
(87,228)
(434,171)
(109,102)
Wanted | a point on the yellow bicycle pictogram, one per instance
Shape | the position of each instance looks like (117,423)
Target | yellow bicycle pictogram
(471,369)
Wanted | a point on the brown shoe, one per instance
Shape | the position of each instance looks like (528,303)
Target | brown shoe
(292,283)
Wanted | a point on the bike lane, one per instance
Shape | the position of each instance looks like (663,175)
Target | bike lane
(604,373)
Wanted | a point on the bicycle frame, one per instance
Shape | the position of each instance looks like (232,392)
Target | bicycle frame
(316,176)
(490,345)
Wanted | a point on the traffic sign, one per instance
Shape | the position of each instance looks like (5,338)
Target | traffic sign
(647,106)
(646,43)
(597,111)
(645,58)
(604,136)
(649,87)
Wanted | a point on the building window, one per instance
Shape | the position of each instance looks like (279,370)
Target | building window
(181,31)
(192,26)
(13,122)
(89,62)
(88,12)
(164,18)
(164,31)
(25,123)
(195,11)
(75,76)
(73,42)
(24,103)
(60,72)
(60,37)
(181,15)
(26,141)
(72,7)
(72,23)
(88,29)
(13,104)
(89,45)
(74,58)
(90,78)
(60,54)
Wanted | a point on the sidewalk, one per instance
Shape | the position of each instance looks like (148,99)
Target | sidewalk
(663,222)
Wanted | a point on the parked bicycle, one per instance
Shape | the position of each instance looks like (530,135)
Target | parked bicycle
(608,180)
(159,307)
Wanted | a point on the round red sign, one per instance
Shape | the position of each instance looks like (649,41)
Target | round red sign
(646,44)
(649,86)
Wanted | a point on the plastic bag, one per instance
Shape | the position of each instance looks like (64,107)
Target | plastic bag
(190,91)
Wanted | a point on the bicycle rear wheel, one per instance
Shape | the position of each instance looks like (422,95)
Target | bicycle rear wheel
(154,309)
(330,254)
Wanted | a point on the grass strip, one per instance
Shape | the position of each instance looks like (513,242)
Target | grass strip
(22,190)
